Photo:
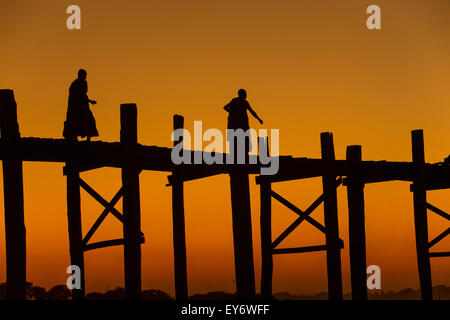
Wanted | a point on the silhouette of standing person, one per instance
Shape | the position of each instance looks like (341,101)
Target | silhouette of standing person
(238,118)
(80,121)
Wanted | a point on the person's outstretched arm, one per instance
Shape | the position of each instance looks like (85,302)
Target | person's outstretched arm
(86,96)
(254,114)
(91,101)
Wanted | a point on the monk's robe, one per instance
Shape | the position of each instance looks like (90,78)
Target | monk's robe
(80,121)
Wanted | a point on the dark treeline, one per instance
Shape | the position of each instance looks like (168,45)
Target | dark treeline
(440,292)
(61,292)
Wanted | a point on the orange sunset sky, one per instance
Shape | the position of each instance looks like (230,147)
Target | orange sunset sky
(308,67)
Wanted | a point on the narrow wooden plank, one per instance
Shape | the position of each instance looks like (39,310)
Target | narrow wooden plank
(300,249)
(108,243)
(439,254)
(103,244)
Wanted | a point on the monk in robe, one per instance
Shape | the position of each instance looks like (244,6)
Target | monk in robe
(238,118)
(80,121)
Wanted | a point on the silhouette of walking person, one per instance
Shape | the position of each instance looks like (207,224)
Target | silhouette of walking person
(238,118)
(80,121)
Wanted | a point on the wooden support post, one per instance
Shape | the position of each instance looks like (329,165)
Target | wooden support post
(131,201)
(266,240)
(420,215)
(13,195)
(74,224)
(242,234)
(242,230)
(179,232)
(357,233)
(331,220)
(266,229)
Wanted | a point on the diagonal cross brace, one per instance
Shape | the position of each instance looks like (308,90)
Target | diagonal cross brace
(439,238)
(438,211)
(298,211)
(303,215)
(100,199)
(102,216)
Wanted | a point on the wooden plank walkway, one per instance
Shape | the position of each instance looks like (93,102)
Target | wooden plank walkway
(97,154)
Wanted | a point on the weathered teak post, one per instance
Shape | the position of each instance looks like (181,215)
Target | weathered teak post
(74,224)
(242,235)
(420,214)
(242,229)
(179,233)
(266,236)
(13,195)
(356,225)
(331,219)
(131,201)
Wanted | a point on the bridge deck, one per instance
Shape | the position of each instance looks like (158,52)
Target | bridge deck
(96,154)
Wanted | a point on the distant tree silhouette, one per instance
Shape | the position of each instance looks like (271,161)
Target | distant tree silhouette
(155,295)
(116,294)
(59,292)
(37,293)
(119,294)
(215,295)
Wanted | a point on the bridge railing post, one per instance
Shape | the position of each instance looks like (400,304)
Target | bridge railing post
(13,195)
(331,220)
(179,232)
(420,215)
(356,225)
(131,201)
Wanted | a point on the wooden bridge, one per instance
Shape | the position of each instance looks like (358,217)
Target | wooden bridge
(133,157)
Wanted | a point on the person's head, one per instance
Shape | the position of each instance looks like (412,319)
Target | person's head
(82,74)
(242,94)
